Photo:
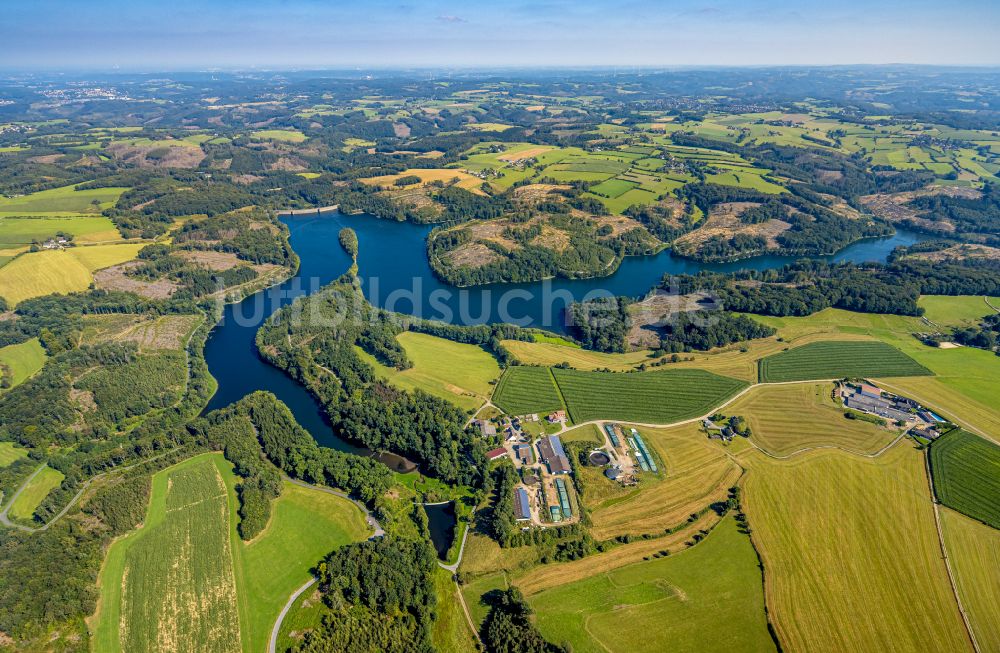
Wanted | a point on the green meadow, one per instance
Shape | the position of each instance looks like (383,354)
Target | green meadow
(63,201)
(706,598)
(23,360)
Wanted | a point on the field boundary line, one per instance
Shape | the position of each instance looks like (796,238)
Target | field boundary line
(944,554)
(562,397)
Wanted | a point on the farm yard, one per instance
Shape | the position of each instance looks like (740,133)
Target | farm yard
(834,360)
(670,602)
(696,474)
(966,471)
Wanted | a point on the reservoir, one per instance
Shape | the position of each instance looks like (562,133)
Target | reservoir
(441,521)
(396,275)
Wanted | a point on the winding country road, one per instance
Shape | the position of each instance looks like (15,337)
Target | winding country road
(378,531)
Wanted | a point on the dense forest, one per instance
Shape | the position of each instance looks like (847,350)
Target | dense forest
(378,596)
(361,407)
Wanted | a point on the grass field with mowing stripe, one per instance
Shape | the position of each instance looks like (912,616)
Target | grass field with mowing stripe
(23,360)
(44,482)
(787,418)
(966,471)
(834,360)
(525,389)
(851,557)
(974,552)
(670,603)
(651,397)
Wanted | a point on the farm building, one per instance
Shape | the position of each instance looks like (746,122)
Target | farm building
(567,511)
(495,454)
(486,428)
(551,450)
(868,390)
(556,417)
(522,452)
(610,430)
(522,508)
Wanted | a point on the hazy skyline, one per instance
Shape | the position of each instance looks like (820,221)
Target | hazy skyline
(188,34)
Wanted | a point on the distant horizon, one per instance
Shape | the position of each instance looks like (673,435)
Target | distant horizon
(387,68)
(394,34)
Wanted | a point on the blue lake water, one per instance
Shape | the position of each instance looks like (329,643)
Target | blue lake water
(396,275)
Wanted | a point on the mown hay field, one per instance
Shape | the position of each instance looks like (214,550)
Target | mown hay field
(454,371)
(696,473)
(59,271)
(974,553)
(651,397)
(524,389)
(23,360)
(669,603)
(788,418)
(34,493)
(833,360)
(966,470)
(185,581)
(849,549)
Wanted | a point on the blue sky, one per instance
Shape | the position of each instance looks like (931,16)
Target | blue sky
(196,34)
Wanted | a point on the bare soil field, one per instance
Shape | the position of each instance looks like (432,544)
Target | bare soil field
(724,220)
(216,261)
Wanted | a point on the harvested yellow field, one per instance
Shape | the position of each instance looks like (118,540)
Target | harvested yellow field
(786,419)
(460,178)
(545,353)
(851,556)
(59,271)
(698,472)
(974,553)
